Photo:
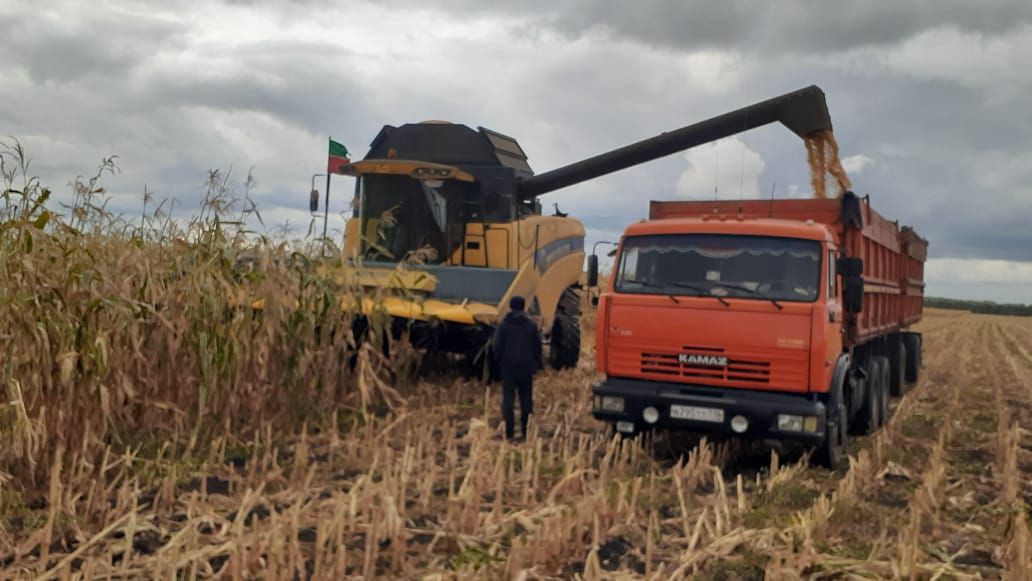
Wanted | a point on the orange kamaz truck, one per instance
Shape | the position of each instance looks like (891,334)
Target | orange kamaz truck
(784,319)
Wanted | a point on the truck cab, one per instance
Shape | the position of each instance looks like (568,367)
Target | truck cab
(720,325)
(784,319)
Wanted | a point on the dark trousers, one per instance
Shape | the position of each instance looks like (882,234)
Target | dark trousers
(511,383)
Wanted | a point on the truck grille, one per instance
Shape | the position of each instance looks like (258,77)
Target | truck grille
(706,367)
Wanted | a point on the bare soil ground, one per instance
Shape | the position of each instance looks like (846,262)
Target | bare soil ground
(431,491)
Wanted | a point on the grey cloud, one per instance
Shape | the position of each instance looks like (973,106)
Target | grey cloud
(951,158)
(941,152)
(54,48)
(756,27)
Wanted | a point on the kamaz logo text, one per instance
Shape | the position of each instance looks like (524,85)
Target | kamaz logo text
(705,360)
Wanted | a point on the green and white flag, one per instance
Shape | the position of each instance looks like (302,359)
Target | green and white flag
(338,157)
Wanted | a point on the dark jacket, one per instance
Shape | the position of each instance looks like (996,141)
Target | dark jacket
(517,344)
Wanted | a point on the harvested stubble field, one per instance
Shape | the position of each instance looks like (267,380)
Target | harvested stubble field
(150,432)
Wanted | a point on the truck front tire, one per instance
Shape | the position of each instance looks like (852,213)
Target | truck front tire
(868,418)
(831,454)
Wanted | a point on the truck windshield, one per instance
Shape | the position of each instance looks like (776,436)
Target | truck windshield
(748,267)
(405,219)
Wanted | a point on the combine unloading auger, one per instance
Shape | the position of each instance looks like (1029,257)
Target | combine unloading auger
(804,112)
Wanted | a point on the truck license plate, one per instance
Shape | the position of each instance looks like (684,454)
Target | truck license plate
(699,414)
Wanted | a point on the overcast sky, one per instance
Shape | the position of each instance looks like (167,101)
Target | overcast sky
(929,99)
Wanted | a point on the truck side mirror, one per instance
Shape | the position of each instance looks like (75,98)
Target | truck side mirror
(313,201)
(592,270)
(848,266)
(852,294)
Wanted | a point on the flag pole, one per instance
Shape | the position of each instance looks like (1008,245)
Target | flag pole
(326,209)
(326,206)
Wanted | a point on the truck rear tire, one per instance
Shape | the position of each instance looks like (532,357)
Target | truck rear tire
(831,454)
(912,343)
(883,393)
(868,417)
(897,367)
(564,349)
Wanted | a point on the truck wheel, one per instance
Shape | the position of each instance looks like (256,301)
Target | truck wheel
(868,416)
(883,393)
(564,351)
(831,454)
(897,368)
(912,343)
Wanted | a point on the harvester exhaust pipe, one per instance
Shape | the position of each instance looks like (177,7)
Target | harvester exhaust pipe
(804,112)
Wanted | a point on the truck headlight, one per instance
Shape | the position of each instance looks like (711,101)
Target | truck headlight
(794,423)
(650,415)
(790,423)
(612,403)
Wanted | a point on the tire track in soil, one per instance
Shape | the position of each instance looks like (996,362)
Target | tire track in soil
(1013,466)
(1017,396)
(866,507)
(971,527)
(894,464)
(964,531)
(925,467)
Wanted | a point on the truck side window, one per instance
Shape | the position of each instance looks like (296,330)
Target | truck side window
(629,266)
(832,286)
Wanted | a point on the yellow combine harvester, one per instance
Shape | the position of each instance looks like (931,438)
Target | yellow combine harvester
(458,210)
(444,200)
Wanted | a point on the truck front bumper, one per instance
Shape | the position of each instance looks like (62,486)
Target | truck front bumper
(704,409)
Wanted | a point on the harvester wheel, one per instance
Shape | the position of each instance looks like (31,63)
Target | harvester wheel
(479,365)
(564,350)
(912,343)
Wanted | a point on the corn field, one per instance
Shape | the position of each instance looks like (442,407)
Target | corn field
(189,400)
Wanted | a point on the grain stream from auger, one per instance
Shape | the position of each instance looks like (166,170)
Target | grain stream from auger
(822,156)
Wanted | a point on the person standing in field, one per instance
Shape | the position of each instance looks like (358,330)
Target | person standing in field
(517,350)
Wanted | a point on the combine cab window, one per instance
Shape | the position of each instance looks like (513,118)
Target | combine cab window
(406,219)
(747,267)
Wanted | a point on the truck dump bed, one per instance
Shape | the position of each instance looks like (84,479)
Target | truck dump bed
(893,257)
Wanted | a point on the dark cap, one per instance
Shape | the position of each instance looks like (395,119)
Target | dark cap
(517,303)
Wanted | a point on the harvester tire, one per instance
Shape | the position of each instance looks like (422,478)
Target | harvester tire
(564,348)
(897,367)
(912,343)
(480,365)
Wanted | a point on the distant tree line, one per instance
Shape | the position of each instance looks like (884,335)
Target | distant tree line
(981,307)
